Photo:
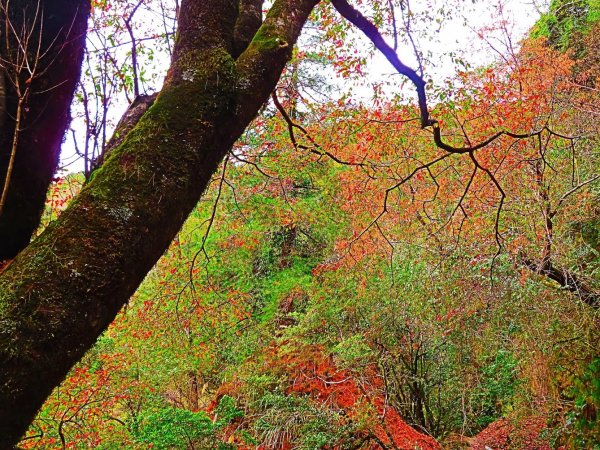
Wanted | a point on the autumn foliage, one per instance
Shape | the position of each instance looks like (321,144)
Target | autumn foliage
(346,283)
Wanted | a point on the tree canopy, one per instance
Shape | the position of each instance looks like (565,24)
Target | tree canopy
(477,201)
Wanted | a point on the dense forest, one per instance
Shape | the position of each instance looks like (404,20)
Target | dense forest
(411,271)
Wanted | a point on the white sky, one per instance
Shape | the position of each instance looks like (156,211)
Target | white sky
(457,35)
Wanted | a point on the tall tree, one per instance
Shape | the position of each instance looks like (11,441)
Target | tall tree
(41,50)
(63,290)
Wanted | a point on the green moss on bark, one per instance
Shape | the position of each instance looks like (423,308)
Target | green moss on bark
(66,287)
(268,39)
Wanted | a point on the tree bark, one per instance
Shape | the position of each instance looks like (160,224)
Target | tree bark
(247,24)
(56,45)
(566,279)
(64,289)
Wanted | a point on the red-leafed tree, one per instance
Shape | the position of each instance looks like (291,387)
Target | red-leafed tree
(64,288)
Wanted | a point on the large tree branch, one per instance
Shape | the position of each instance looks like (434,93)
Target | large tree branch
(248,22)
(566,279)
(372,33)
(363,24)
(129,120)
(66,287)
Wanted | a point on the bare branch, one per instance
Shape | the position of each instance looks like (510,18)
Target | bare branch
(316,148)
(136,81)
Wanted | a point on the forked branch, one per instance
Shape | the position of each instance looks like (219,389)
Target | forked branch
(316,148)
(371,31)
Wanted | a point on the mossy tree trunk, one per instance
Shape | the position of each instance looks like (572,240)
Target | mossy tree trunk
(65,288)
(54,52)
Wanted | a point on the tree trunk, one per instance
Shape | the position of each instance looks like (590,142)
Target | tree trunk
(64,289)
(55,48)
